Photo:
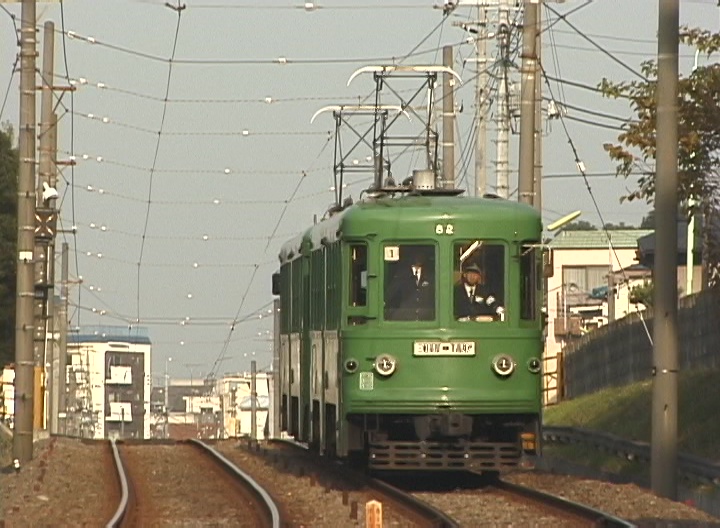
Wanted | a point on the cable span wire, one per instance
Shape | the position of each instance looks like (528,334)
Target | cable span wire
(221,356)
(72,148)
(178,9)
(598,46)
(281,60)
(7,90)
(581,168)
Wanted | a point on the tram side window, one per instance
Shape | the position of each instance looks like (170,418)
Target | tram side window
(479,291)
(358,275)
(530,279)
(409,282)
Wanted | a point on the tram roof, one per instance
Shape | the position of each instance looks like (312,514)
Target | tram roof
(415,207)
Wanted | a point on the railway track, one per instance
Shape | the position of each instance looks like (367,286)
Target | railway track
(398,505)
(473,499)
(211,489)
(573,512)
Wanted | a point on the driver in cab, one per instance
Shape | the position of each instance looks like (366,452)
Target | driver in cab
(473,300)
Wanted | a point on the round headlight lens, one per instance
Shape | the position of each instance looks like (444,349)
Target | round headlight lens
(534,365)
(351,365)
(503,365)
(385,364)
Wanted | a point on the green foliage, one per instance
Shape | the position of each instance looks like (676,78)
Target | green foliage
(698,134)
(582,225)
(643,294)
(8,243)
(648,222)
(615,227)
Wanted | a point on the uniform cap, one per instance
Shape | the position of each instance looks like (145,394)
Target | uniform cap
(472,267)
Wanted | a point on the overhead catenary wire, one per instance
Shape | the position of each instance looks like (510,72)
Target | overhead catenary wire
(581,169)
(179,10)
(72,147)
(582,34)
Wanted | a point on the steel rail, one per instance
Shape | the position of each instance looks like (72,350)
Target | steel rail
(599,517)
(437,517)
(121,511)
(272,510)
(404,500)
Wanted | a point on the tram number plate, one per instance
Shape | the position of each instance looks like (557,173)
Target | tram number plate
(439,348)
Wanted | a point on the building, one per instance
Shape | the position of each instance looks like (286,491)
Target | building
(108,383)
(214,408)
(586,266)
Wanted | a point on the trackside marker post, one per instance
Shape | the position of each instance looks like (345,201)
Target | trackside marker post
(373,514)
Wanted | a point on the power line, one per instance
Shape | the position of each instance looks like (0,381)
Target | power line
(178,9)
(72,144)
(598,46)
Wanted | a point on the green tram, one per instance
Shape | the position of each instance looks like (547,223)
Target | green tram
(380,364)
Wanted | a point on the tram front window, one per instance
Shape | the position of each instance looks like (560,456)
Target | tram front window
(409,282)
(479,287)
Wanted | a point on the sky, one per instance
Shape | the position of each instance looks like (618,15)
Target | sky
(196,158)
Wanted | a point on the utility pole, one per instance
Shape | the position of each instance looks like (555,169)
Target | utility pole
(62,343)
(24,375)
(448,121)
(44,232)
(527,103)
(482,103)
(663,467)
(503,108)
(538,165)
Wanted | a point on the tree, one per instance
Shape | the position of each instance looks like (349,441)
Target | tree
(8,243)
(614,227)
(582,225)
(648,222)
(698,140)
(643,294)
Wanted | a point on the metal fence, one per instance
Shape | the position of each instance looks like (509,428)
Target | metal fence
(621,352)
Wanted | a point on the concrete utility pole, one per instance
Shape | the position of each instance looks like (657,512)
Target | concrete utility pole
(527,103)
(503,108)
(62,343)
(24,375)
(45,211)
(448,139)
(482,103)
(663,467)
(538,165)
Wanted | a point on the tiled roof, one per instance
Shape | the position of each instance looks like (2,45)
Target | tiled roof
(621,238)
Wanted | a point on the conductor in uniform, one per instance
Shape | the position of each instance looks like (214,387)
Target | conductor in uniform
(473,299)
(410,294)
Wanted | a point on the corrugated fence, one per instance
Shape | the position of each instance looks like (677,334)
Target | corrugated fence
(621,352)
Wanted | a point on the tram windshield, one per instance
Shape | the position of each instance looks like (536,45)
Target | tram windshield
(479,287)
(409,289)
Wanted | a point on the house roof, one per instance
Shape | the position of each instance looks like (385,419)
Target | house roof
(596,239)
(109,333)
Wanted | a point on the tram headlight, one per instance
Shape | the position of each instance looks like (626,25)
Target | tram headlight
(385,364)
(351,365)
(534,365)
(503,365)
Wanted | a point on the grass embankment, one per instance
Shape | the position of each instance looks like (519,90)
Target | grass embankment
(626,412)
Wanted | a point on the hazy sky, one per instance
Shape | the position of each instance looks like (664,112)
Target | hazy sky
(238,168)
